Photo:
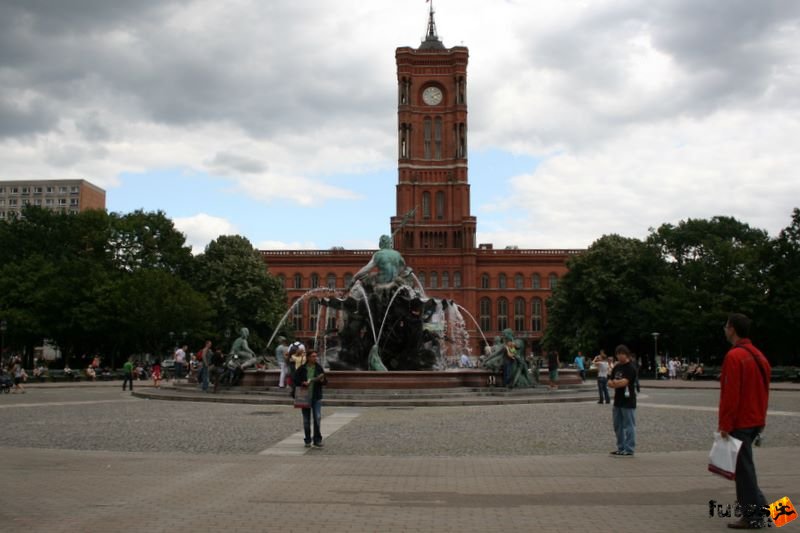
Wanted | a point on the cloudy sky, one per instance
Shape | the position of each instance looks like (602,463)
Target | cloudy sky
(276,119)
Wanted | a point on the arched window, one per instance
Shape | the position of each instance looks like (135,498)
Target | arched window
(348,279)
(426,204)
(519,314)
(434,280)
(445,280)
(421,278)
(439,205)
(486,314)
(553,279)
(331,314)
(437,138)
(427,137)
(502,314)
(298,281)
(484,281)
(297,315)
(501,281)
(536,314)
(536,281)
(331,280)
(282,280)
(457,280)
(518,281)
(313,314)
(314,280)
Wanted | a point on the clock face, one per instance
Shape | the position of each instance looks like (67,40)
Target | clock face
(432,96)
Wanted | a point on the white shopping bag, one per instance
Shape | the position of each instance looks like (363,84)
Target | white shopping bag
(722,459)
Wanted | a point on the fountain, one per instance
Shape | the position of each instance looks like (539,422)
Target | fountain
(383,331)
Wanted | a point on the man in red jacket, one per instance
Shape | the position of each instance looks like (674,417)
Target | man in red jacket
(743,398)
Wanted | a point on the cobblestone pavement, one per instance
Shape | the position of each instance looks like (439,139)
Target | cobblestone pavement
(95,459)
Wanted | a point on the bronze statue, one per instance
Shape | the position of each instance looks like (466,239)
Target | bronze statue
(241,350)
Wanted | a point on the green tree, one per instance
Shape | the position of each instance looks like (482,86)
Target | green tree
(716,266)
(148,240)
(233,276)
(780,319)
(148,304)
(607,297)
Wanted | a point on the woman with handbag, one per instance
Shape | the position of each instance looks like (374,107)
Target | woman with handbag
(310,378)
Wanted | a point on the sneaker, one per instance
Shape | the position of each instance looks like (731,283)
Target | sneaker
(318,445)
(308,445)
(615,452)
(625,454)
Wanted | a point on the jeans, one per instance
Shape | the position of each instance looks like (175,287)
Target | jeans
(127,378)
(625,428)
(508,367)
(204,373)
(748,495)
(602,388)
(316,407)
(179,371)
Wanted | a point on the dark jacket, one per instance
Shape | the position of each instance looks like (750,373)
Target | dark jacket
(302,375)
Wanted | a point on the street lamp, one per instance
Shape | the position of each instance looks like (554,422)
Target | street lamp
(655,351)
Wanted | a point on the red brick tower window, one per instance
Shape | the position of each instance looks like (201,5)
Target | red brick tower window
(297,316)
(519,314)
(536,314)
(313,314)
(502,314)
(486,314)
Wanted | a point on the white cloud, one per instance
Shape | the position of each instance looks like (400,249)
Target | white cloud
(201,229)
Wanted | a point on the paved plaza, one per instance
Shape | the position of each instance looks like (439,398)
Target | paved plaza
(92,458)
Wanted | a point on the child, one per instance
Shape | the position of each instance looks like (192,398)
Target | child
(157,374)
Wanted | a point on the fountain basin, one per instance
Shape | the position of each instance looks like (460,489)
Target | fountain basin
(399,379)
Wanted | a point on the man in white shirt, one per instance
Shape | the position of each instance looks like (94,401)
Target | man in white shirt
(180,363)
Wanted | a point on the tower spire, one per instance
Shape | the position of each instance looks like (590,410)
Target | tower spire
(431,34)
(431,41)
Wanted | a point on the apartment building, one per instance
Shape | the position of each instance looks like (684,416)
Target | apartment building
(66,196)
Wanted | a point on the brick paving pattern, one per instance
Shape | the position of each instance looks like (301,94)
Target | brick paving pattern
(93,459)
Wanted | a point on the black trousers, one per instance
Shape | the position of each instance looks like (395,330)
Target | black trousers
(127,378)
(749,496)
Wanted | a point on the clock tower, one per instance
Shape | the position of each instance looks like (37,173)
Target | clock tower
(433,206)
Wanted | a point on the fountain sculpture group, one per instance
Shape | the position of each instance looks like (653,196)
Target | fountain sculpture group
(384,321)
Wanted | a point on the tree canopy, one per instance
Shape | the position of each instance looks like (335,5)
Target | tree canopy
(681,282)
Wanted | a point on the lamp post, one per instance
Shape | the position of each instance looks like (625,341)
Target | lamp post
(3,327)
(655,351)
